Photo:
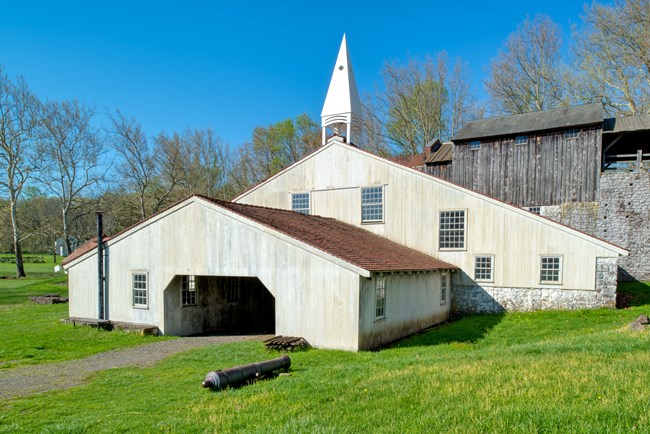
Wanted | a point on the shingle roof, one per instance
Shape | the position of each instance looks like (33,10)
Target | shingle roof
(627,124)
(349,243)
(574,116)
(441,155)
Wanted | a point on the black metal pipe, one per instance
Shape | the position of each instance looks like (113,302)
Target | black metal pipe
(240,374)
(100,266)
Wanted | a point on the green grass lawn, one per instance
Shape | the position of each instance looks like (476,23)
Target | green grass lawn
(33,333)
(578,371)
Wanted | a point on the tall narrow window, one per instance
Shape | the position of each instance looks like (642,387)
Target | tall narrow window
(372,204)
(452,230)
(551,269)
(380,298)
(139,287)
(444,285)
(300,202)
(188,291)
(483,268)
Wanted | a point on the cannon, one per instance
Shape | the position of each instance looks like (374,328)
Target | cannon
(238,375)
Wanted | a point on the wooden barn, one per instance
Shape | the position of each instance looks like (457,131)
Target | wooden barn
(531,159)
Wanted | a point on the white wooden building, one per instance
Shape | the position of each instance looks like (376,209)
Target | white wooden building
(344,248)
(207,266)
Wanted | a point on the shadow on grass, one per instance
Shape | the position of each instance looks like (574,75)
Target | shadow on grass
(466,330)
(632,293)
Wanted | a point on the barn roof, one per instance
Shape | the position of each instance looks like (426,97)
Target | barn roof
(440,155)
(349,243)
(627,124)
(574,116)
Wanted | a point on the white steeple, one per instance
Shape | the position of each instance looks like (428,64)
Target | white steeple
(342,108)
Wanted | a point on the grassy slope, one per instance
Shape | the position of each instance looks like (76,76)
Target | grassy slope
(580,371)
(32,333)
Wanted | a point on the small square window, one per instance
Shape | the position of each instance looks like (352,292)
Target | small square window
(452,230)
(571,133)
(380,298)
(300,203)
(551,269)
(475,144)
(188,291)
(139,289)
(372,204)
(483,268)
(521,140)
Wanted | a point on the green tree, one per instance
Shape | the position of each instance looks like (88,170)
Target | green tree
(273,148)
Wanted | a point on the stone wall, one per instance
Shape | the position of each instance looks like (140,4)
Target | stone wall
(477,299)
(622,217)
(625,220)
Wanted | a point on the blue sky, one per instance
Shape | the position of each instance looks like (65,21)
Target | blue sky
(232,66)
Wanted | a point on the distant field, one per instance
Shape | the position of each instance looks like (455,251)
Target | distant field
(562,371)
(45,264)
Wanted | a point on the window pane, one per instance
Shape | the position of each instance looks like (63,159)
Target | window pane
(483,268)
(372,204)
(452,230)
(380,298)
(550,269)
(300,202)
(139,288)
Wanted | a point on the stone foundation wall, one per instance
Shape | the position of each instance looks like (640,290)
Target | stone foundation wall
(477,299)
(622,217)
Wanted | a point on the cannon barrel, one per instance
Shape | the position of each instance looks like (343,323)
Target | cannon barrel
(240,374)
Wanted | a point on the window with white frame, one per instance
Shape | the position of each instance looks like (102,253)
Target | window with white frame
(534,209)
(188,291)
(474,145)
(452,230)
(380,298)
(521,140)
(444,285)
(483,267)
(372,204)
(300,202)
(571,133)
(551,269)
(139,287)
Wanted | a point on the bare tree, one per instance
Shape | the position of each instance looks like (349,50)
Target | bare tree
(528,74)
(136,166)
(419,102)
(70,155)
(613,54)
(18,121)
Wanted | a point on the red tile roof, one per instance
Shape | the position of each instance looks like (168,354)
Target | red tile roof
(349,243)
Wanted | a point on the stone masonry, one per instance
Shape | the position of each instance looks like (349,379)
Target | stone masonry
(622,217)
(477,299)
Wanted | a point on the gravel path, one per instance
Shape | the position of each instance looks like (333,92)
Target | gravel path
(62,375)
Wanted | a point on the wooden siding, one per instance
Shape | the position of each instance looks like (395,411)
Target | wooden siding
(442,171)
(548,170)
